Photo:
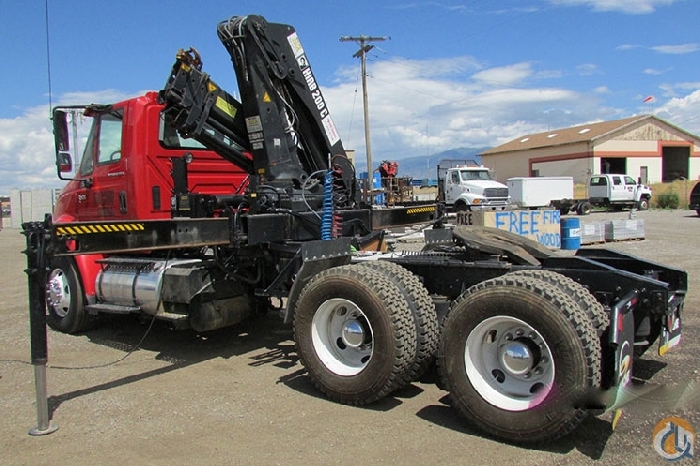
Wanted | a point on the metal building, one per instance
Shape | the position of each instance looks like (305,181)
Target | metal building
(643,147)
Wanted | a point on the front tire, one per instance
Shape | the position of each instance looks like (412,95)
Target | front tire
(354,334)
(643,204)
(518,357)
(65,300)
(461,207)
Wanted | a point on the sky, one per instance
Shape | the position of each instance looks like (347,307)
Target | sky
(451,74)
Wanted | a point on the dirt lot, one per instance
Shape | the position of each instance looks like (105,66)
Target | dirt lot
(240,396)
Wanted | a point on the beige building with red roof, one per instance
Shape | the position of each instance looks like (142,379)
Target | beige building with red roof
(643,147)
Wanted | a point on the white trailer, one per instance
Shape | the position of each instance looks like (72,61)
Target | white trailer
(532,193)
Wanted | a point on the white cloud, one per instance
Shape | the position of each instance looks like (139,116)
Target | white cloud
(682,111)
(411,115)
(680,49)
(681,89)
(623,6)
(26,154)
(26,143)
(588,69)
(627,47)
(504,75)
(653,72)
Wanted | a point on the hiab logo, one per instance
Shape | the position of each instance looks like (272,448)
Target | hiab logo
(674,439)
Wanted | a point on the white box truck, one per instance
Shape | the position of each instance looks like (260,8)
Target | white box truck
(607,191)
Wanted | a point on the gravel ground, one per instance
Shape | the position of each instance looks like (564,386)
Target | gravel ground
(240,396)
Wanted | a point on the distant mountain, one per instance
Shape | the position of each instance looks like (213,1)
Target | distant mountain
(422,167)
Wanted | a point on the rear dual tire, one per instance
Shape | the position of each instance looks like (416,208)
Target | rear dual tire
(355,334)
(519,357)
(422,309)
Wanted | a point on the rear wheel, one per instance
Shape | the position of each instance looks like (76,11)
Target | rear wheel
(518,357)
(354,333)
(584,208)
(65,301)
(585,300)
(423,311)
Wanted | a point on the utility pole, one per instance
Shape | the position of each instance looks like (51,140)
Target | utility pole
(361,54)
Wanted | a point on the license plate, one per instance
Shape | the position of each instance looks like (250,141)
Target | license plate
(670,333)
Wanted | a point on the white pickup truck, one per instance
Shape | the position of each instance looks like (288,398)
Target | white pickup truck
(610,191)
(464,186)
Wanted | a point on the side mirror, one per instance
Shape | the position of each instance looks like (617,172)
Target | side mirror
(61,137)
(64,162)
(60,131)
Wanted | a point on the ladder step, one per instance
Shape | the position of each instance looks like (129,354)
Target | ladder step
(111,308)
(106,308)
(172,317)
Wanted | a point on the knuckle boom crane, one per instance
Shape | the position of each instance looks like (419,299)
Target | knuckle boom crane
(522,337)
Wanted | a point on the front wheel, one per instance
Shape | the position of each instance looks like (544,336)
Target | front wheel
(355,334)
(461,207)
(643,204)
(519,357)
(65,301)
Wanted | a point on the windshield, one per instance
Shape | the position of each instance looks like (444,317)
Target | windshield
(469,175)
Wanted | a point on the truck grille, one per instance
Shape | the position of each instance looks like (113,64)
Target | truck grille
(496,192)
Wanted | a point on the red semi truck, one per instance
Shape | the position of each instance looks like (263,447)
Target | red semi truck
(525,340)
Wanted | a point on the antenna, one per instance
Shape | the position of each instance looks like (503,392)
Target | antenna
(48,53)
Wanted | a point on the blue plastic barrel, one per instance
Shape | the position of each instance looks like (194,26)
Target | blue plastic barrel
(570,233)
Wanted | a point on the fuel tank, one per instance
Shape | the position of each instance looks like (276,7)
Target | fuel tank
(134,281)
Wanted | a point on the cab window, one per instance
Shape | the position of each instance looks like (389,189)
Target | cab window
(103,143)
(630,181)
(110,148)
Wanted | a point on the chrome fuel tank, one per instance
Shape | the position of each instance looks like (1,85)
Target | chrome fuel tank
(134,281)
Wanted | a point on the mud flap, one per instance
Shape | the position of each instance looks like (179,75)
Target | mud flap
(670,331)
(621,336)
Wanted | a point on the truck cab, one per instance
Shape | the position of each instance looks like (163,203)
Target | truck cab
(471,187)
(613,190)
(125,171)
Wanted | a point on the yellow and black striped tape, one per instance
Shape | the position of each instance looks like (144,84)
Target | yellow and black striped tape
(98,228)
(418,210)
